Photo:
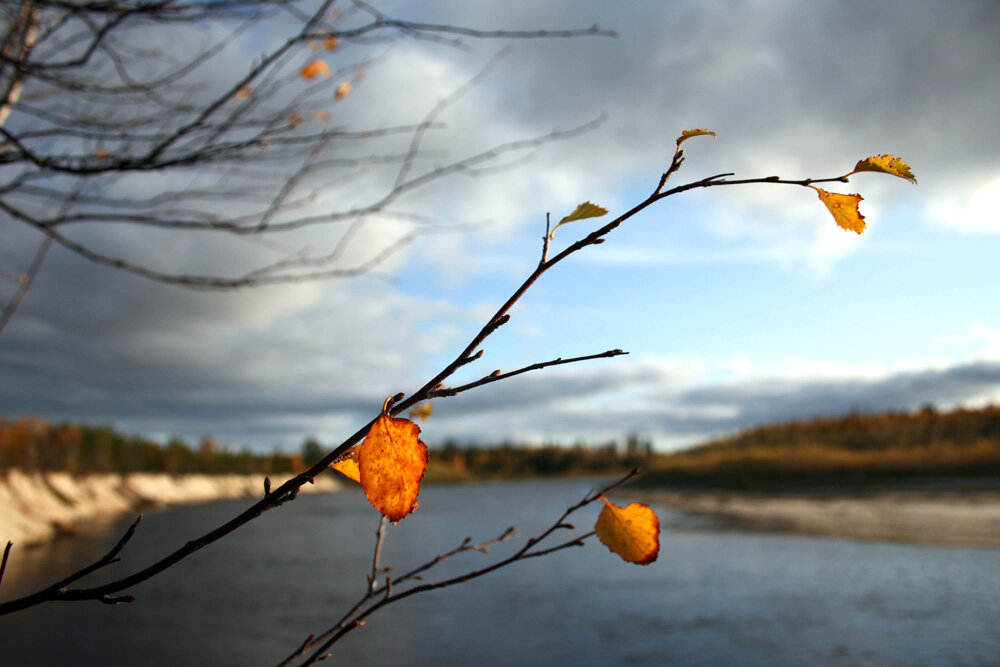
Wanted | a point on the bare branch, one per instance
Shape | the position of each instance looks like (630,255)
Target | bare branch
(469,354)
(24,283)
(497,376)
(360,612)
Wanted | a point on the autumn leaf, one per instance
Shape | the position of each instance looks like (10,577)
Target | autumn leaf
(632,532)
(349,466)
(687,134)
(584,210)
(343,90)
(422,412)
(886,164)
(329,43)
(391,462)
(243,92)
(321,115)
(313,69)
(844,209)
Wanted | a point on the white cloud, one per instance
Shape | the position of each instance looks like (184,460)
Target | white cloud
(970,205)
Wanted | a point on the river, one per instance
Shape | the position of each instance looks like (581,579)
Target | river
(714,597)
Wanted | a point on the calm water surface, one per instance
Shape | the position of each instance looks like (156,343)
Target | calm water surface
(712,598)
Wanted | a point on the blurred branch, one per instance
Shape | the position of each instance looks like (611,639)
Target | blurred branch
(24,283)
(97,96)
(6,555)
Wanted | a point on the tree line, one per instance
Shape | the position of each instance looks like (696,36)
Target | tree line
(32,443)
(859,431)
(854,448)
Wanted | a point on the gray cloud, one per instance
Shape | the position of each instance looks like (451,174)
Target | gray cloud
(590,406)
(789,86)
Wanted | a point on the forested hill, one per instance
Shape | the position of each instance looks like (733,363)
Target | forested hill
(857,447)
(865,432)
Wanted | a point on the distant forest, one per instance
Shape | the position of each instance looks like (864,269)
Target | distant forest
(963,442)
(858,447)
(31,443)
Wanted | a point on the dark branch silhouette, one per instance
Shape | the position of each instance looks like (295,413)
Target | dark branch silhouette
(145,115)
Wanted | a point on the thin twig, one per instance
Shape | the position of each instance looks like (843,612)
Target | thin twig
(24,282)
(377,555)
(497,376)
(526,552)
(6,555)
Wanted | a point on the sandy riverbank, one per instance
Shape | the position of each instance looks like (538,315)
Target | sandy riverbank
(968,518)
(36,506)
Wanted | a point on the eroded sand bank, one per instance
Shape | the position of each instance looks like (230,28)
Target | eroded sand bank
(36,506)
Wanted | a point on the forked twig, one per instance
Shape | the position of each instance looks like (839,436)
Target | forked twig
(390,593)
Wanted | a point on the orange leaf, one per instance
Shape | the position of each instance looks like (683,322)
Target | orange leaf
(687,134)
(844,209)
(314,69)
(886,164)
(632,532)
(243,92)
(343,90)
(349,466)
(391,463)
(330,43)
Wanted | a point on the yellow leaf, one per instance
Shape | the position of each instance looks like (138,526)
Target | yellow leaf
(343,90)
(687,134)
(391,462)
(584,210)
(886,164)
(422,412)
(313,69)
(349,466)
(844,209)
(321,115)
(632,532)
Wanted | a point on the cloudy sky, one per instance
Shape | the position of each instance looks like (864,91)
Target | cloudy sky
(738,306)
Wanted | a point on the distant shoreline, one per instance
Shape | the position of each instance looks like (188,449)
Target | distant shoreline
(968,517)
